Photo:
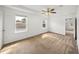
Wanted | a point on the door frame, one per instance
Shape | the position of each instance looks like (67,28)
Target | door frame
(75,28)
(1,25)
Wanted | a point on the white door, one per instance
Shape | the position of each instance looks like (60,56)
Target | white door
(1,27)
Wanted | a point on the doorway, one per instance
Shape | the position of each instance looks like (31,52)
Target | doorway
(71,27)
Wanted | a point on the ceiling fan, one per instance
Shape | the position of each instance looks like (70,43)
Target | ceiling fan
(49,11)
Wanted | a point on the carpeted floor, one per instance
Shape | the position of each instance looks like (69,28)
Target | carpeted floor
(47,43)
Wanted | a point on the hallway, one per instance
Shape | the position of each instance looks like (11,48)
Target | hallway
(47,43)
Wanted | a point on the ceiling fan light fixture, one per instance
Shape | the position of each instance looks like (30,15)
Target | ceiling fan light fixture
(48,12)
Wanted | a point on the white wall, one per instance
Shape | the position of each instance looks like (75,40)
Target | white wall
(35,25)
(57,21)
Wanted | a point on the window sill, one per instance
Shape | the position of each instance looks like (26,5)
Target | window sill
(20,31)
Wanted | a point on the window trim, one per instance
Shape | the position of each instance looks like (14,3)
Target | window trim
(26,29)
(45,24)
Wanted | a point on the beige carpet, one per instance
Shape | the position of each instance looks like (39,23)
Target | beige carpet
(47,43)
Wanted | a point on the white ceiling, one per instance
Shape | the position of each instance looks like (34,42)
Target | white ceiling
(39,7)
(36,8)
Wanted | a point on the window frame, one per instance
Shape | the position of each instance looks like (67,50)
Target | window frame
(44,23)
(26,29)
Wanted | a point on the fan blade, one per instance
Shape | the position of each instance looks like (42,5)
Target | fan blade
(53,12)
(43,11)
(52,9)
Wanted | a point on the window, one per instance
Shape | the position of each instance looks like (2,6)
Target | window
(21,23)
(44,23)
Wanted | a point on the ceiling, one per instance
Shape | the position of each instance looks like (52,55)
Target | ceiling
(40,7)
(36,9)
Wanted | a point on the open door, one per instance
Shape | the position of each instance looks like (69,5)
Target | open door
(71,27)
(1,27)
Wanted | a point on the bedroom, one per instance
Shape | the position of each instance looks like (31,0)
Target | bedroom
(36,22)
